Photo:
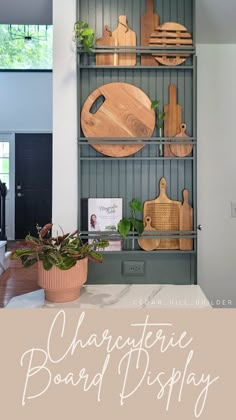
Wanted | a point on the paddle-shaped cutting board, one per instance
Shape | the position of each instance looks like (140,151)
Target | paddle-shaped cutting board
(181,150)
(164,214)
(186,221)
(106,40)
(149,21)
(125,37)
(173,118)
(125,112)
(152,243)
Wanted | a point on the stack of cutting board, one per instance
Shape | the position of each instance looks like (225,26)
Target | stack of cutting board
(122,36)
(164,214)
(170,34)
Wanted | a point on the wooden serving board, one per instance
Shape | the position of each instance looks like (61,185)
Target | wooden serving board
(149,21)
(186,222)
(170,34)
(181,150)
(126,112)
(173,118)
(106,40)
(152,243)
(164,214)
(124,36)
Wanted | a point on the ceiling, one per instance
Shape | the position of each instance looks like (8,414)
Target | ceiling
(215,18)
(32,12)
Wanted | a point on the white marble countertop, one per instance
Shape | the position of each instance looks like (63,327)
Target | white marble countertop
(122,296)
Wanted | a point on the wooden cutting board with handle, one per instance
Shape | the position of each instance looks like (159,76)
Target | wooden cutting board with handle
(125,112)
(152,243)
(164,214)
(186,221)
(149,21)
(170,34)
(125,37)
(106,40)
(181,150)
(173,118)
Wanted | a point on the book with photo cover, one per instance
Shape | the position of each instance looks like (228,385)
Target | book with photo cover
(104,214)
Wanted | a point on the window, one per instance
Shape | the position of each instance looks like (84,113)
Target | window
(26,47)
(4,162)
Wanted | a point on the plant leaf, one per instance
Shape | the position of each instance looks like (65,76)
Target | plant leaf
(32,240)
(55,258)
(29,262)
(43,232)
(135,205)
(155,104)
(47,264)
(138,225)
(22,251)
(101,244)
(95,256)
(124,227)
(66,263)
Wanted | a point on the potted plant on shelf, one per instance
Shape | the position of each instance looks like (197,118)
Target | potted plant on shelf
(84,35)
(62,262)
(155,105)
(131,223)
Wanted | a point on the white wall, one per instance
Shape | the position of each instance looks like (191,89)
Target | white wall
(217,170)
(64,117)
(26,101)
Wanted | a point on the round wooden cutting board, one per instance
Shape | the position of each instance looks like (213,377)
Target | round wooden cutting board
(124,111)
(170,34)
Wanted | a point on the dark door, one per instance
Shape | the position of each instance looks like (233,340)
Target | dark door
(33,182)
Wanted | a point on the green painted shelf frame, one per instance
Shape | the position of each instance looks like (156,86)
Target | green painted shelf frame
(139,175)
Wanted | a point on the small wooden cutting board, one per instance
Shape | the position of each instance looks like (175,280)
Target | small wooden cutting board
(106,40)
(149,21)
(124,36)
(173,118)
(152,243)
(181,150)
(186,222)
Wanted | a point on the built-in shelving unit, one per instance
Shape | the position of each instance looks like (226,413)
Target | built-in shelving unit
(138,175)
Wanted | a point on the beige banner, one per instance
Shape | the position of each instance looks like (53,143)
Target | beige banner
(118,364)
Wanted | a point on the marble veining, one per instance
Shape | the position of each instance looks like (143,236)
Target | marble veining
(117,296)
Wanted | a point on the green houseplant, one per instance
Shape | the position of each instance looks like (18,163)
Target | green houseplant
(62,262)
(155,105)
(84,35)
(131,223)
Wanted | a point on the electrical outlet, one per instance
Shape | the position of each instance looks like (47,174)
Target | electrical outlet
(133,268)
(233,209)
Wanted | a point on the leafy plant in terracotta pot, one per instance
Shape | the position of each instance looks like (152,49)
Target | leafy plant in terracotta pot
(62,262)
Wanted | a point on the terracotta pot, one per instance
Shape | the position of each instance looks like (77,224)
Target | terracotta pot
(63,285)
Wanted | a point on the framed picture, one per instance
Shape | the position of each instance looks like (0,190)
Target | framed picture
(104,214)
